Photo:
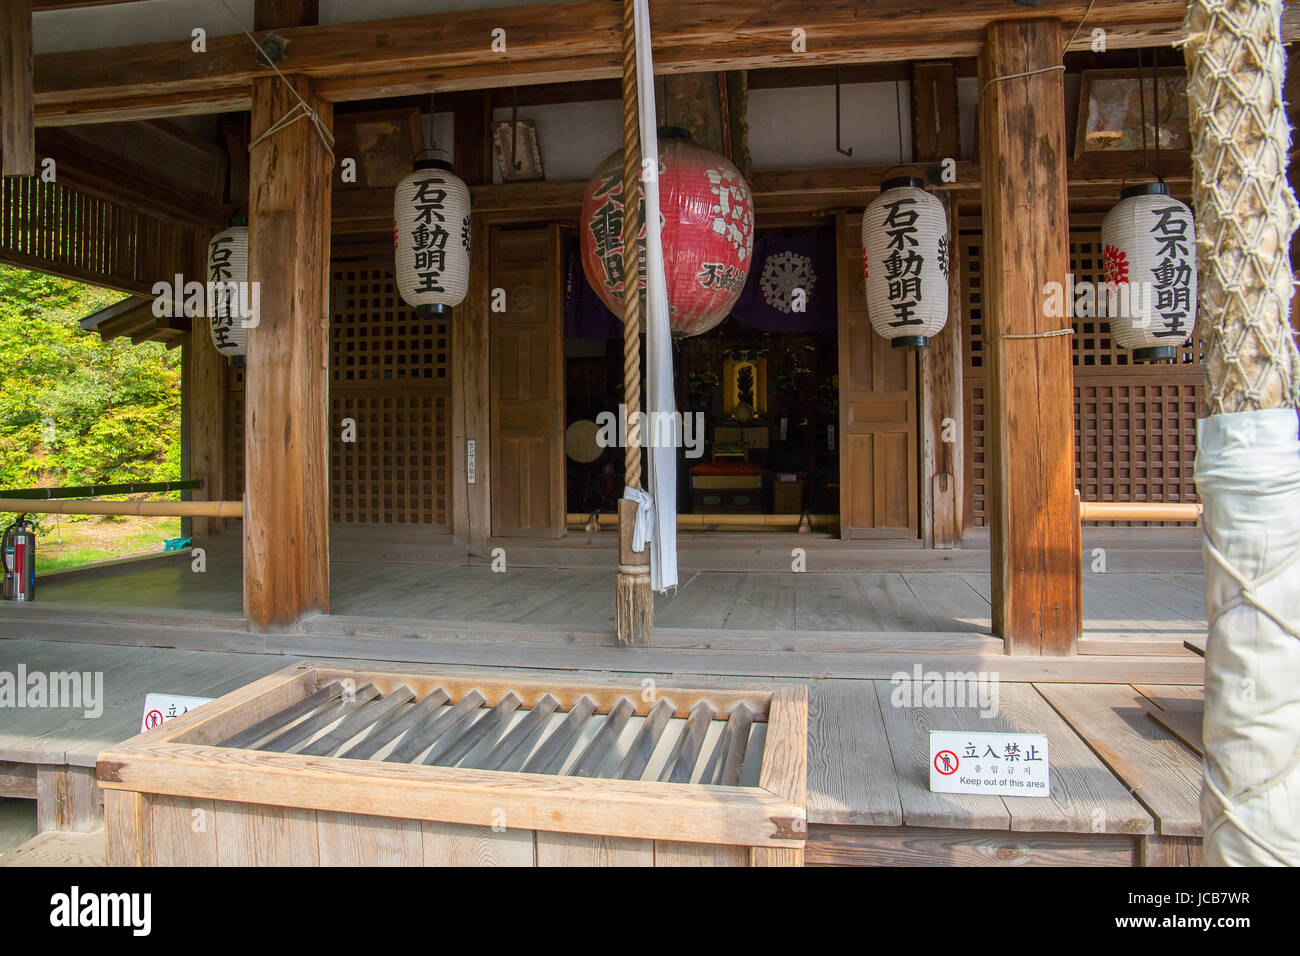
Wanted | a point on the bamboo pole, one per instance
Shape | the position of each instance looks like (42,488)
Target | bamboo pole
(149,509)
(768,522)
(1138,511)
(90,491)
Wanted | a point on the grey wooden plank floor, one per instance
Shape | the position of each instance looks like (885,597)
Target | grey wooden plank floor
(1156,606)
(867,754)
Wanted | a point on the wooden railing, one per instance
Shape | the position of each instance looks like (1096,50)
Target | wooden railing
(150,509)
(1138,511)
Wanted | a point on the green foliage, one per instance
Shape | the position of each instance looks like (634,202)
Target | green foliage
(73,409)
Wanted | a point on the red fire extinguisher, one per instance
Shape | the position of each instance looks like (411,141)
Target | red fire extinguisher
(18,551)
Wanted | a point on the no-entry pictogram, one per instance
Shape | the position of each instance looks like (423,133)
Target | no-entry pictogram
(153,719)
(945,761)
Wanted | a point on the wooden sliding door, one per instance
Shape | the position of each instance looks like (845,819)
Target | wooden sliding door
(878,411)
(527,382)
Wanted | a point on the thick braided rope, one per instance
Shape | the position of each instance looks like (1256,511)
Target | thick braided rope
(631,264)
(1245,210)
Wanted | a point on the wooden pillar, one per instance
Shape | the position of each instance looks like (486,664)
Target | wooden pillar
(286,490)
(471,504)
(471,404)
(205,417)
(17,97)
(936,137)
(1031,500)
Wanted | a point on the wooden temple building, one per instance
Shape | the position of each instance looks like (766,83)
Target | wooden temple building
(409,488)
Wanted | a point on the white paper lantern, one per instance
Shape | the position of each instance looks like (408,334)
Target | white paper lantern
(431,238)
(229,298)
(905,258)
(1149,252)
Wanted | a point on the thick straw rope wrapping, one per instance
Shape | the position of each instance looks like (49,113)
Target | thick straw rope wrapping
(631,246)
(1245,209)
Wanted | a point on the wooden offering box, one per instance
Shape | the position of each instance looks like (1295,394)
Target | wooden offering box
(325,765)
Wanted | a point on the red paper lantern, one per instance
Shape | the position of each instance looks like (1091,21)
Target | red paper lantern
(707,212)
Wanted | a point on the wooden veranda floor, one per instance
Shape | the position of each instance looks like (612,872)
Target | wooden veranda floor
(1124,786)
(1148,602)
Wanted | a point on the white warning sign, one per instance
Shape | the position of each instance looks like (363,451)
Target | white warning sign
(159,708)
(1009,765)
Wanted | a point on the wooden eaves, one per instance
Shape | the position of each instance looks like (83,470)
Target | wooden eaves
(553,43)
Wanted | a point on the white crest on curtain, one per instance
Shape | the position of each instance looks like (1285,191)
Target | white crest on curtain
(659,346)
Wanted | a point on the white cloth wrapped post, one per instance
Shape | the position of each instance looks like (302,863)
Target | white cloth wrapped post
(1248,476)
(659,346)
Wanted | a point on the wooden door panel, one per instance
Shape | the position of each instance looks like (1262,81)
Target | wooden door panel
(527,384)
(879,496)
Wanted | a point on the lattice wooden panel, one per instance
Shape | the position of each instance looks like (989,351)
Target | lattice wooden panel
(235,437)
(375,337)
(972,246)
(1136,440)
(1092,345)
(1135,425)
(395,471)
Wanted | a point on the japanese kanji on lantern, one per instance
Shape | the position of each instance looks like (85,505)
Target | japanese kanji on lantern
(708,232)
(431,238)
(905,259)
(1149,244)
(228,297)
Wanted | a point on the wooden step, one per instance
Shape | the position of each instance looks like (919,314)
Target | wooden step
(59,848)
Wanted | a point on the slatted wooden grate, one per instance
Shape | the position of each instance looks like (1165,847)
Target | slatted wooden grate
(1135,425)
(52,227)
(621,739)
(320,760)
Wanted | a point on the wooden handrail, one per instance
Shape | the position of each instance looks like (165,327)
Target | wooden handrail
(94,491)
(1138,511)
(694,522)
(182,509)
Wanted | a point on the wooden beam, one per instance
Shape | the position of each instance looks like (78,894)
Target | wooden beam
(574,41)
(97,172)
(205,415)
(472,114)
(935,137)
(278,14)
(286,382)
(1031,499)
(17,93)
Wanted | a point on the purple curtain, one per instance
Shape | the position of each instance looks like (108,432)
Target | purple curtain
(785,261)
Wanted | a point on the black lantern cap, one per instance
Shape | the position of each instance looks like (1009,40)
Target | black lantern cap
(1144,189)
(910,342)
(897,182)
(428,311)
(429,163)
(1156,353)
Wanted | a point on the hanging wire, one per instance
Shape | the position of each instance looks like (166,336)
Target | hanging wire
(1142,105)
(838,148)
(898,110)
(1155,108)
(514,130)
